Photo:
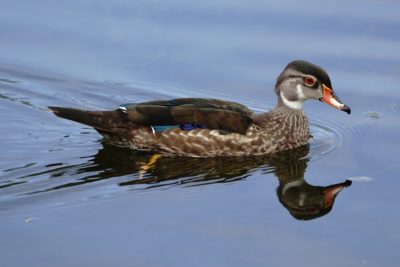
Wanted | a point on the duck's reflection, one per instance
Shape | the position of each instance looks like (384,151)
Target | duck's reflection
(303,200)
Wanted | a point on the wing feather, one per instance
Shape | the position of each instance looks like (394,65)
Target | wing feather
(211,113)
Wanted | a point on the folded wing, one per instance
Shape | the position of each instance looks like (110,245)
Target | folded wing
(209,113)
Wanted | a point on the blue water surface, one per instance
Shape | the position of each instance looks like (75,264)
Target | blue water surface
(66,199)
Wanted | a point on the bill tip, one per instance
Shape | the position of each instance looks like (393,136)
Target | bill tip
(346,109)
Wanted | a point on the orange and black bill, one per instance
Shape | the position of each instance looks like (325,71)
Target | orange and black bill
(331,192)
(329,97)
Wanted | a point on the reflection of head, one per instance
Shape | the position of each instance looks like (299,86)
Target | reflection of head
(305,201)
(302,200)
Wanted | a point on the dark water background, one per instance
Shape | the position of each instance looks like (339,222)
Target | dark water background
(67,200)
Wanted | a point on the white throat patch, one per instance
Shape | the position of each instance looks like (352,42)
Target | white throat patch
(298,104)
(300,94)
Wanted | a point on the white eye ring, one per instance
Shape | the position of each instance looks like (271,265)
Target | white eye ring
(309,81)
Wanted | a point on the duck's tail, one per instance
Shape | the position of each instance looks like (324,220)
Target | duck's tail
(102,121)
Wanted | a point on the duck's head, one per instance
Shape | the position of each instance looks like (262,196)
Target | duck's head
(300,81)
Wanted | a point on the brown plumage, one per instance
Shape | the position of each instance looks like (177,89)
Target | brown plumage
(208,127)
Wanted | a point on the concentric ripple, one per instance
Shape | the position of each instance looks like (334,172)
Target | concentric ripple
(329,135)
(325,140)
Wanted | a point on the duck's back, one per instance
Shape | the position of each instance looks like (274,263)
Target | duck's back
(188,127)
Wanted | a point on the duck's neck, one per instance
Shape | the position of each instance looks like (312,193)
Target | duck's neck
(284,102)
(292,119)
(293,124)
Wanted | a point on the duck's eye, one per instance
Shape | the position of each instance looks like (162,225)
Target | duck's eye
(309,81)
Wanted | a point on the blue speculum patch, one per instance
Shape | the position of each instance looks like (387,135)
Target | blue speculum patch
(185,127)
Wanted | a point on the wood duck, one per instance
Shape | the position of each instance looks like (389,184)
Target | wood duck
(197,127)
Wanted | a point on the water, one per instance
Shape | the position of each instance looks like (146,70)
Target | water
(67,199)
